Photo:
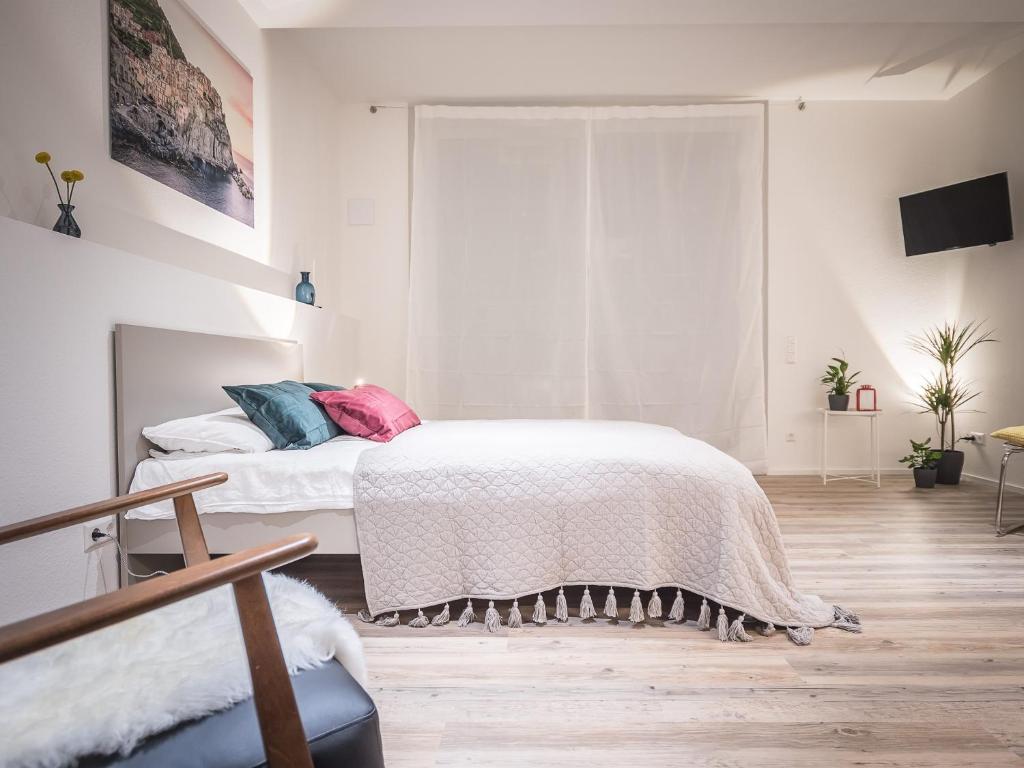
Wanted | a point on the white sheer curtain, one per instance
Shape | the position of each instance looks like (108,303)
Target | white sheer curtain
(497,316)
(603,263)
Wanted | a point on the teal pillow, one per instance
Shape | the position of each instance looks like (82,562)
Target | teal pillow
(322,387)
(285,413)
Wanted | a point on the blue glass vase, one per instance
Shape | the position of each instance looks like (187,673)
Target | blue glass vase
(66,224)
(304,291)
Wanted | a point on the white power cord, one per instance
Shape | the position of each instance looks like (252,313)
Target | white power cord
(98,535)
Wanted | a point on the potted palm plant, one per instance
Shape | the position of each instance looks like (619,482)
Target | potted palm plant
(838,384)
(924,460)
(945,393)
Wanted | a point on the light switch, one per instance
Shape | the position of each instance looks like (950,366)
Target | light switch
(791,350)
(360,212)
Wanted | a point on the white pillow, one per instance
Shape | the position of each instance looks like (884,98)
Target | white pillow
(227,430)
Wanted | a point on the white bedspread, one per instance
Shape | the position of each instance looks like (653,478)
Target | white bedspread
(502,509)
(273,481)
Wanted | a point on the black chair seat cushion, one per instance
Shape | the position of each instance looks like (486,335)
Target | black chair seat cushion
(339,717)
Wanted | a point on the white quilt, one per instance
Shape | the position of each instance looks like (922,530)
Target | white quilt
(502,509)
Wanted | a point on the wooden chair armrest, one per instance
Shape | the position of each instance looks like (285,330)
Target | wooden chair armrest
(284,740)
(82,514)
(48,629)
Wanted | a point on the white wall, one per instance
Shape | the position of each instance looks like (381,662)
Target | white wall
(837,278)
(374,281)
(304,165)
(326,153)
(53,96)
(59,301)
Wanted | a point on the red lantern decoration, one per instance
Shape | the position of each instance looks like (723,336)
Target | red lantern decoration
(867,398)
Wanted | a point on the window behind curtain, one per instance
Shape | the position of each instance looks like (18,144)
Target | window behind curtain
(601,263)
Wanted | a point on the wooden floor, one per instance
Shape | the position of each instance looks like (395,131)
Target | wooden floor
(936,679)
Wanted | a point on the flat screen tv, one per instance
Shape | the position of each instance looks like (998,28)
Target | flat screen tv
(975,212)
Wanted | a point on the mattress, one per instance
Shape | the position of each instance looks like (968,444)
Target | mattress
(261,483)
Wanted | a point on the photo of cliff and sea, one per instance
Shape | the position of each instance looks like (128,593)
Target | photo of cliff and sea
(180,105)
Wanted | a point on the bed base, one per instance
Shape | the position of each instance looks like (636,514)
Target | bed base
(234,531)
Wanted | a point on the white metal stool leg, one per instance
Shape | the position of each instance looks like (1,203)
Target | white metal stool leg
(1008,451)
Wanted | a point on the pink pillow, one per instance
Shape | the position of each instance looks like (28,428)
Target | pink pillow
(368,411)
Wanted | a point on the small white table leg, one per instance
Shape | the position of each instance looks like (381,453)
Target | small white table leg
(824,447)
(876,464)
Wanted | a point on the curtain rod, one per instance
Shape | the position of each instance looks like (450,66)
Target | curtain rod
(800,104)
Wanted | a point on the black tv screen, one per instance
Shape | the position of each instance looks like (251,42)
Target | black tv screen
(973,212)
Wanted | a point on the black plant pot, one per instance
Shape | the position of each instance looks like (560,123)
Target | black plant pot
(950,466)
(925,478)
(838,402)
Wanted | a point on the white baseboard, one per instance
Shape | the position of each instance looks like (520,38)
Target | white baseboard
(816,471)
(992,481)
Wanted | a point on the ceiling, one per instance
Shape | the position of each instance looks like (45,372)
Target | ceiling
(645,51)
(516,13)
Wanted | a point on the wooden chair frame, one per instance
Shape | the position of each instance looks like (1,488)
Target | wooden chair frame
(284,739)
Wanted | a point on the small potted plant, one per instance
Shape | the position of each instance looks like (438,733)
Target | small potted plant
(838,384)
(924,460)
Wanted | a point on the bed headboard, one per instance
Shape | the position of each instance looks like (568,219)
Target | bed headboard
(161,374)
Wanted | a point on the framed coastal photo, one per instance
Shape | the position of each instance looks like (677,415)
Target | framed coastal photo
(180,105)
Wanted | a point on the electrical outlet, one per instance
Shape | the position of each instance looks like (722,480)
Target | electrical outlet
(979,437)
(791,350)
(791,437)
(107,526)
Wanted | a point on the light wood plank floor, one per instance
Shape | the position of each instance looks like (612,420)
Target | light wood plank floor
(936,679)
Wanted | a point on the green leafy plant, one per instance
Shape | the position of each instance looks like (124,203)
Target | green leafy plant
(836,379)
(945,394)
(922,455)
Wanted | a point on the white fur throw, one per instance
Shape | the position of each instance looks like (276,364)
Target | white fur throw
(107,691)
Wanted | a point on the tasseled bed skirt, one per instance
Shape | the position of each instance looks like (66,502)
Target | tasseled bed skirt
(720,625)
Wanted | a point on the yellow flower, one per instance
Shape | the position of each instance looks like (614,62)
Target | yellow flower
(78,175)
(67,176)
(42,157)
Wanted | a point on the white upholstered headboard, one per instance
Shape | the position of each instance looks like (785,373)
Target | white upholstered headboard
(161,374)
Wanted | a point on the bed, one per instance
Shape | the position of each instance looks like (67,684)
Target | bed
(500,510)
(162,374)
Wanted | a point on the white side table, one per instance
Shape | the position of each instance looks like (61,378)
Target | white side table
(876,471)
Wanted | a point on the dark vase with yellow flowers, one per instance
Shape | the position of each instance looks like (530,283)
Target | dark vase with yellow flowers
(66,224)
